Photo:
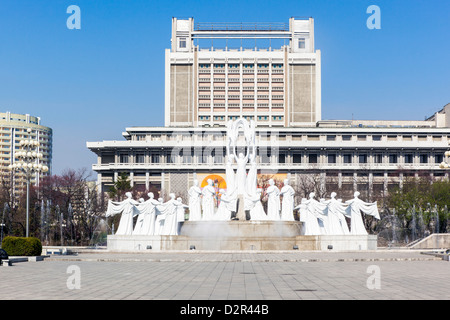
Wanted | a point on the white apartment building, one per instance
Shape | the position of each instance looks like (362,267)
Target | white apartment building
(13,128)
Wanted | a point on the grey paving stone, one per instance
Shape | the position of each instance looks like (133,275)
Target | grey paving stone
(230,276)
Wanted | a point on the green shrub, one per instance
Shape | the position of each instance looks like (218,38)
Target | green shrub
(21,246)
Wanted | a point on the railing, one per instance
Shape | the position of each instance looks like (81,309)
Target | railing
(243,26)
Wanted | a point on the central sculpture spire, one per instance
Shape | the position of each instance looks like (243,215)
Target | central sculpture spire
(233,130)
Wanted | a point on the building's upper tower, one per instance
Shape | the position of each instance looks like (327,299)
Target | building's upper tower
(268,72)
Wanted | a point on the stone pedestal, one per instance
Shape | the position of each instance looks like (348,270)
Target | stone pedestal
(242,235)
(240,214)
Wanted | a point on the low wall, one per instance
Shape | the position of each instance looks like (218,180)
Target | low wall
(433,241)
(302,243)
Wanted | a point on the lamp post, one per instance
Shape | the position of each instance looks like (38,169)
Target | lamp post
(6,207)
(28,164)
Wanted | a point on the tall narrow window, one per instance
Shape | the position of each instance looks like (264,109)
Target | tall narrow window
(392,158)
(423,158)
(378,158)
(408,158)
(347,158)
(362,158)
(312,158)
(123,158)
(140,158)
(155,158)
(182,43)
(301,43)
(332,158)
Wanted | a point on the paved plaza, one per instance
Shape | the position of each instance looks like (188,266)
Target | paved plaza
(194,275)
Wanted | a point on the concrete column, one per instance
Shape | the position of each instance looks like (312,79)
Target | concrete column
(163,182)
(400,178)
(340,180)
(99,183)
(132,179)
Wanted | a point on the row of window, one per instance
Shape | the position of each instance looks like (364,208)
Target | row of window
(264,157)
(236,66)
(222,118)
(295,137)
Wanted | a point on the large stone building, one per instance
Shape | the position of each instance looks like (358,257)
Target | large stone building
(280,89)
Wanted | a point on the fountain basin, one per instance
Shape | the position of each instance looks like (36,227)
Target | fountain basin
(239,236)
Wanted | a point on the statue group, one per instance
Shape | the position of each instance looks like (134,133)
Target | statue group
(242,200)
(154,217)
(329,217)
(318,217)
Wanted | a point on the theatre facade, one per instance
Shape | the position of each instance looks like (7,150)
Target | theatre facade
(280,89)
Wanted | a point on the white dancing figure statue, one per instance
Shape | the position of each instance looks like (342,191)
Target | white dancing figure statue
(208,206)
(337,225)
(287,205)
(311,211)
(273,201)
(255,207)
(128,209)
(354,209)
(148,209)
(239,184)
(167,220)
(252,198)
(181,210)
(241,159)
(241,174)
(223,212)
(140,219)
(195,211)
(230,195)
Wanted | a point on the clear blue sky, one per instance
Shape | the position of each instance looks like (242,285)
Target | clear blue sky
(90,84)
